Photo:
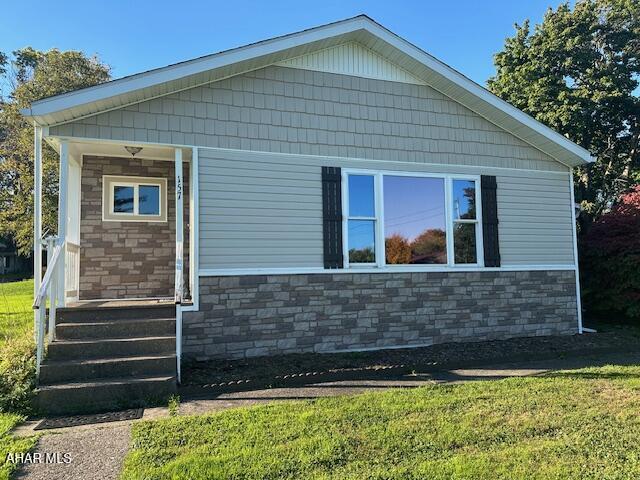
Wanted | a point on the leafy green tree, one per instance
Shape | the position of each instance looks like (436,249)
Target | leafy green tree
(430,246)
(577,72)
(32,75)
(362,255)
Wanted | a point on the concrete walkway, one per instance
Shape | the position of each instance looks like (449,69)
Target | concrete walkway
(97,451)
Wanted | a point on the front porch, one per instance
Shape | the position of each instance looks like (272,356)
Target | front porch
(119,272)
(117,246)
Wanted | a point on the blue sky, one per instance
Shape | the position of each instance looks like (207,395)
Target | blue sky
(137,35)
(413,205)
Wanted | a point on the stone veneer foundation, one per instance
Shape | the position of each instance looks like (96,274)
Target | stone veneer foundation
(246,316)
(128,259)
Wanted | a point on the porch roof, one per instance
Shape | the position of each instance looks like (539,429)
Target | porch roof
(362,29)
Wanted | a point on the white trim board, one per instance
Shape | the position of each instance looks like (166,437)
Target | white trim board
(226,272)
(136,88)
(246,153)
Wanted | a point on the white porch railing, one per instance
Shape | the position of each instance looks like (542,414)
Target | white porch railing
(72,270)
(48,291)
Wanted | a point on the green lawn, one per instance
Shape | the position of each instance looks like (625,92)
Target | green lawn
(572,425)
(9,444)
(16,314)
(16,366)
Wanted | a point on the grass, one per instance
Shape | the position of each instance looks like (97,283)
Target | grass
(577,424)
(16,315)
(17,368)
(10,444)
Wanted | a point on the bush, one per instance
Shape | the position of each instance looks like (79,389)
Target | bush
(610,260)
(17,374)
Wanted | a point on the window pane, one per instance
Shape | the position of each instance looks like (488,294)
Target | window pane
(464,199)
(361,196)
(149,200)
(362,241)
(464,242)
(123,199)
(414,220)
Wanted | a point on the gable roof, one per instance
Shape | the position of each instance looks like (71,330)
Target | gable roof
(361,29)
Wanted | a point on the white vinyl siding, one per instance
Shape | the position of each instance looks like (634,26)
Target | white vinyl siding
(265,210)
(352,59)
(253,214)
(534,215)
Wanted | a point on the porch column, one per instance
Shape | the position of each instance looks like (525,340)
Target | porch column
(179,222)
(37,216)
(179,187)
(63,217)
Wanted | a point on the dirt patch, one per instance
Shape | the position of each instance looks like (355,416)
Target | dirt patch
(286,370)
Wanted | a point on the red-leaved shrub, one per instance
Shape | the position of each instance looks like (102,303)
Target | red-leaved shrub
(610,261)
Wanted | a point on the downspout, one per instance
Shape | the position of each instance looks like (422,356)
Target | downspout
(575,254)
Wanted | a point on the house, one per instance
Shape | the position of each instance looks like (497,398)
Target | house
(334,189)
(10,261)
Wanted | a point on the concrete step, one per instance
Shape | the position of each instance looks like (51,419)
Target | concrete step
(110,347)
(104,394)
(77,370)
(116,329)
(94,313)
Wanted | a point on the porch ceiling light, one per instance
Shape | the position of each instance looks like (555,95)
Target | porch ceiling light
(133,150)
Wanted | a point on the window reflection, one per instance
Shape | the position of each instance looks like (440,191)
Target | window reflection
(464,199)
(464,242)
(149,200)
(361,196)
(362,241)
(122,199)
(414,220)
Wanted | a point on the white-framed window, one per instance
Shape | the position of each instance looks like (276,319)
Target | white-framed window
(362,220)
(134,199)
(411,220)
(464,193)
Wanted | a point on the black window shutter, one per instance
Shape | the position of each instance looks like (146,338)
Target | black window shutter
(332,216)
(488,187)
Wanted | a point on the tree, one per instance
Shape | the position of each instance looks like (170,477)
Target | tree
(33,75)
(397,249)
(362,255)
(610,260)
(430,246)
(577,72)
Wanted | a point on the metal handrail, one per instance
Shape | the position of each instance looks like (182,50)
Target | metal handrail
(48,287)
(48,276)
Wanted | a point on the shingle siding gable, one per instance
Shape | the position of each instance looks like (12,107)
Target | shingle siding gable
(286,110)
